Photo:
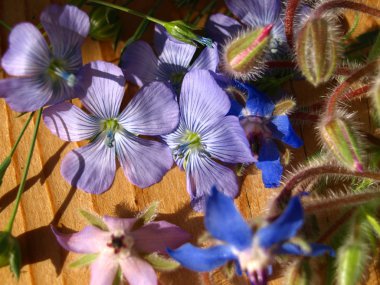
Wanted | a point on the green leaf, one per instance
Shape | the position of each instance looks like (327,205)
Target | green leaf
(375,51)
(146,216)
(161,263)
(84,260)
(94,220)
(15,258)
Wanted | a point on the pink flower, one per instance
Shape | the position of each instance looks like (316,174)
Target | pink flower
(120,247)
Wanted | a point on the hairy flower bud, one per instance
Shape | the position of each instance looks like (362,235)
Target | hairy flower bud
(104,23)
(243,55)
(317,50)
(375,94)
(339,137)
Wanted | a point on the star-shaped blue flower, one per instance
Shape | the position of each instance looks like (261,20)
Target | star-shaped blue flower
(252,252)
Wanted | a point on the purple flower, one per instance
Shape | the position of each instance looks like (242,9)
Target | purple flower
(45,76)
(262,128)
(206,139)
(169,62)
(152,112)
(252,252)
(121,246)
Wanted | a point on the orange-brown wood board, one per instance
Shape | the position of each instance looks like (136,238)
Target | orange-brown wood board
(49,199)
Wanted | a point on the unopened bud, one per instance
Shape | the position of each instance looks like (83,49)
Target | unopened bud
(184,33)
(351,262)
(339,137)
(243,55)
(317,50)
(375,94)
(104,23)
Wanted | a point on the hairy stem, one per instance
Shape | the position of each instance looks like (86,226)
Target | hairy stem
(346,4)
(290,13)
(334,227)
(25,173)
(339,91)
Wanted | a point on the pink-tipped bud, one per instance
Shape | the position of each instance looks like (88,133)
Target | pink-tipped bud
(243,55)
(339,137)
(317,50)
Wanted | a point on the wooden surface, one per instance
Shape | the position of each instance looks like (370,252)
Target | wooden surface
(49,199)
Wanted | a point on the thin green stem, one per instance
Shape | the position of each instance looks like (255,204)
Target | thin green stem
(21,134)
(128,10)
(25,173)
(5,25)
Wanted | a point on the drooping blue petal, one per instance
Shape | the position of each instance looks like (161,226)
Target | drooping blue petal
(269,163)
(199,259)
(225,223)
(282,129)
(258,104)
(139,63)
(220,27)
(284,227)
(67,26)
(316,249)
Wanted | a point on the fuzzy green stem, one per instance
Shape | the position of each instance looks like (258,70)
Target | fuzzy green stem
(346,4)
(348,200)
(128,10)
(25,173)
(339,91)
(290,13)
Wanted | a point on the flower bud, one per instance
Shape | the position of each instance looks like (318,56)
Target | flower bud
(10,253)
(243,55)
(317,50)
(184,33)
(339,137)
(351,262)
(104,23)
(375,94)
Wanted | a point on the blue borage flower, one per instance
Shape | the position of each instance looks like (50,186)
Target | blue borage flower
(207,140)
(114,133)
(169,62)
(262,128)
(252,252)
(45,76)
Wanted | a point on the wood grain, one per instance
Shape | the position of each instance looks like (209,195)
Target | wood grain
(49,199)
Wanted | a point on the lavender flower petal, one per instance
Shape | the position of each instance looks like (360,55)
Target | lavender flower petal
(152,111)
(67,27)
(139,63)
(138,271)
(225,223)
(70,123)
(106,92)
(25,94)
(201,106)
(227,142)
(89,240)
(158,236)
(104,269)
(91,168)
(28,53)
(220,27)
(144,162)
(118,224)
(204,173)
(208,59)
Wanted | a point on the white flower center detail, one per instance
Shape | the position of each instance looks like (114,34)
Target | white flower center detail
(254,259)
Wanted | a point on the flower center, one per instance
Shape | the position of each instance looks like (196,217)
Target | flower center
(110,126)
(255,127)
(121,243)
(57,71)
(176,78)
(190,142)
